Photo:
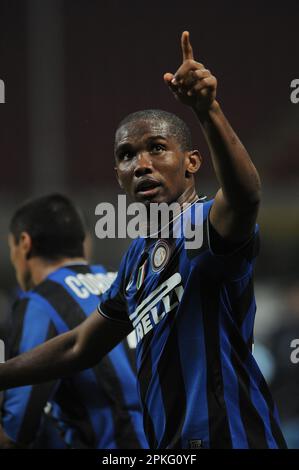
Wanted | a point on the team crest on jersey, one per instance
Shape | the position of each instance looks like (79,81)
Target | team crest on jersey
(160,255)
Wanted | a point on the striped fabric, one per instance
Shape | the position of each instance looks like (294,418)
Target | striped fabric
(96,408)
(194,316)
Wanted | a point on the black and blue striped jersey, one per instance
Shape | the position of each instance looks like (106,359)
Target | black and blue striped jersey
(96,408)
(193,313)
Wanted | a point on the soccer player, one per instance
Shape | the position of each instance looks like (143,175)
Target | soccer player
(96,408)
(193,309)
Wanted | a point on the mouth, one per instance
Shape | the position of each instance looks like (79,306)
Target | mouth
(147,187)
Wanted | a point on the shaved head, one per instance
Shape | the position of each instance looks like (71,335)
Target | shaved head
(169,123)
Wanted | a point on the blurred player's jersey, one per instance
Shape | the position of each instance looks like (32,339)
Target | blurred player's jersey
(96,408)
(193,313)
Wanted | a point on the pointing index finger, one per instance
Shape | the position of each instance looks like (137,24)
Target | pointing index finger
(186,46)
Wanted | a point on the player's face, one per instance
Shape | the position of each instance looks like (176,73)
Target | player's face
(150,165)
(20,263)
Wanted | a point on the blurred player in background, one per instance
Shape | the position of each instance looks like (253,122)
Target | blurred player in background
(97,408)
(193,309)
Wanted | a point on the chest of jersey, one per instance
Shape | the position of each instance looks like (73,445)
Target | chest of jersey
(156,285)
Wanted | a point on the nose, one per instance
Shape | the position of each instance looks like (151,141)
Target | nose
(143,164)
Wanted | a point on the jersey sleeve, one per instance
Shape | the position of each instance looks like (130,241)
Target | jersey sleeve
(232,261)
(22,407)
(113,304)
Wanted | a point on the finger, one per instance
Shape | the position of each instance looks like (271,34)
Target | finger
(203,85)
(186,46)
(201,73)
(193,77)
(168,77)
(176,91)
(186,68)
(170,82)
(209,82)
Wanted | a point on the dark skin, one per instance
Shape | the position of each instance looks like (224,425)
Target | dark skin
(235,209)
(151,167)
(147,153)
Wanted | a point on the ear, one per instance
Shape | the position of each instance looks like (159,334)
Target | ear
(25,244)
(11,240)
(193,163)
(117,177)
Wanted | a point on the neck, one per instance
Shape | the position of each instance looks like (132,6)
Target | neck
(41,268)
(188,196)
(152,226)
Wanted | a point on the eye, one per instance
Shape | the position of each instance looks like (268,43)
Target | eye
(157,148)
(125,156)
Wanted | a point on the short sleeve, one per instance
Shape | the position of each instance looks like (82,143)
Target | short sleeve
(238,259)
(113,304)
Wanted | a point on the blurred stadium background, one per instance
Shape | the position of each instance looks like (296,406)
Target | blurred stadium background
(74,69)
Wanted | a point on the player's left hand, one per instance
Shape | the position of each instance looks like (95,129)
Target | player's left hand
(192,83)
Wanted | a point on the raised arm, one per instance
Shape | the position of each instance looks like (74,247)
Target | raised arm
(234,211)
(78,349)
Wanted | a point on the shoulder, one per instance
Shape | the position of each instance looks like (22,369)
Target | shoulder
(31,325)
(32,305)
(28,303)
(98,269)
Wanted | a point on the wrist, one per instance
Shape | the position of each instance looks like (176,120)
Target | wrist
(207,114)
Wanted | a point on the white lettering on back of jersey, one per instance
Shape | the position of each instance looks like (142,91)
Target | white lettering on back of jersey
(84,285)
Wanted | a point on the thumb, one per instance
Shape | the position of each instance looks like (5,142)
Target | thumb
(170,82)
(168,77)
